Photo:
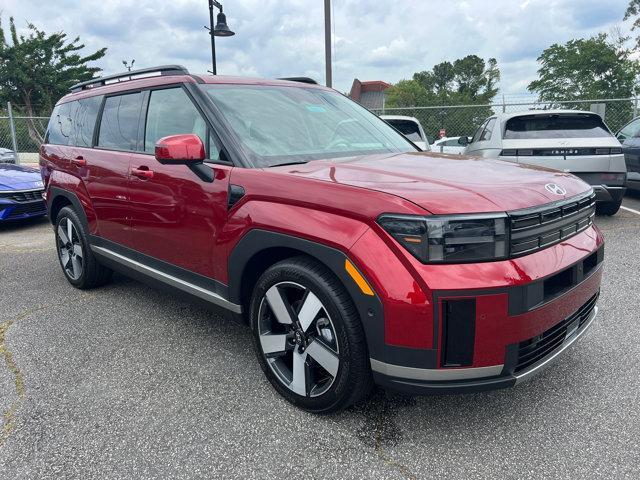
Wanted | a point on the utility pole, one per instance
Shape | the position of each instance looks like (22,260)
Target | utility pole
(214,69)
(327,42)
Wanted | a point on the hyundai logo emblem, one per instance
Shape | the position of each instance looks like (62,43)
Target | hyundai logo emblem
(555,189)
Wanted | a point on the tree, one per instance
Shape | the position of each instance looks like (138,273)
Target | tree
(466,81)
(633,10)
(36,70)
(589,68)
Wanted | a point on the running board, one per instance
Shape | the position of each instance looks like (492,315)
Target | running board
(163,277)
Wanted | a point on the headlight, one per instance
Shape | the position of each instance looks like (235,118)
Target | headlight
(450,239)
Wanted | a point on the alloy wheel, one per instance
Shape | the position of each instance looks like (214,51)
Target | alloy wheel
(70,248)
(298,339)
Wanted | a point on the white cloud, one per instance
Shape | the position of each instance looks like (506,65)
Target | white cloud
(374,40)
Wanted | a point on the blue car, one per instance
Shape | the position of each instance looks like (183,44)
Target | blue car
(20,193)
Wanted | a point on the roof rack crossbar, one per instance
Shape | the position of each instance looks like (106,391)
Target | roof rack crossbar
(300,79)
(162,70)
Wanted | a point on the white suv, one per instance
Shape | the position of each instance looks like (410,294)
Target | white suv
(569,140)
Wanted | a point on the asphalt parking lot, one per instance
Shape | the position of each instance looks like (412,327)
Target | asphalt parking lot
(129,382)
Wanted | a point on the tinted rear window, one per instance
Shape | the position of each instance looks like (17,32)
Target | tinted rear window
(555,126)
(119,124)
(408,128)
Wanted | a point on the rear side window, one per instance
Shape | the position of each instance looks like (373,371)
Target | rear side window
(83,115)
(408,128)
(59,129)
(119,122)
(556,126)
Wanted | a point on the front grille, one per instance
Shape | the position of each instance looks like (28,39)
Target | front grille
(540,227)
(27,208)
(535,349)
(23,196)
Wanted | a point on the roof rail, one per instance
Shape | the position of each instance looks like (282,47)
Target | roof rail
(300,79)
(162,70)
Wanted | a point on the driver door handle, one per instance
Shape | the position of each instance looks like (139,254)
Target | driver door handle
(79,161)
(142,172)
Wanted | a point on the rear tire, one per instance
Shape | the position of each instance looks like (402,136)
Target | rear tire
(78,263)
(308,337)
(608,208)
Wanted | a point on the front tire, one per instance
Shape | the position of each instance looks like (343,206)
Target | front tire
(308,337)
(608,208)
(78,263)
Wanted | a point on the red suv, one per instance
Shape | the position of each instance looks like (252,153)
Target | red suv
(355,258)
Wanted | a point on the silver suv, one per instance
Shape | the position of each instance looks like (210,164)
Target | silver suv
(569,140)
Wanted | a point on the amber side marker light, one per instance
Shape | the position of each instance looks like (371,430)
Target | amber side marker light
(358,278)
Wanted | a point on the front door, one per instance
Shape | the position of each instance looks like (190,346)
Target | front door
(177,217)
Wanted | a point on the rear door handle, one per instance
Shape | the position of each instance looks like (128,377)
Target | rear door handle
(79,161)
(142,173)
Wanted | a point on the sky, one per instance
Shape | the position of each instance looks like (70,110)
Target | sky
(373,39)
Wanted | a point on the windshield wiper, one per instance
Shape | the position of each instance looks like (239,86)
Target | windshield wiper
(288,163)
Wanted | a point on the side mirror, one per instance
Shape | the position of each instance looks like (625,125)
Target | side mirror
(464,141)
(186,149)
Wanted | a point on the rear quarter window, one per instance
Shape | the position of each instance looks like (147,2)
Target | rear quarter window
(59,129)
(556,126)
(84,113)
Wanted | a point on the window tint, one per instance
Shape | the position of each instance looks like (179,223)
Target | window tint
(119,124)
(277,125)
(59,129)
(408,128)
(630,131)
(171,112)
(83,115)
(476,136)
(556,126)
(488,130)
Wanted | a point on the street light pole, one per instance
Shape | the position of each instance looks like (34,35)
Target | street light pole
(221,29)
(327,42)
(213,38)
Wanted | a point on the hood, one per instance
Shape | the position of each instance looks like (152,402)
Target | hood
(17,177)
(446,184)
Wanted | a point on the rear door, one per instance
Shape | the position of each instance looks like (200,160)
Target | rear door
(629,137)
(177,217)
(106,167)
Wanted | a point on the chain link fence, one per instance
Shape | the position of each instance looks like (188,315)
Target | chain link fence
(455,120)
(461,120)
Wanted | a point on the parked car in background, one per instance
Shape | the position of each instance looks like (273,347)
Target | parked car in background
(7,156)
(629,137)
(410,127)
(20,193)
(569,140)
(448,145)
(353,259)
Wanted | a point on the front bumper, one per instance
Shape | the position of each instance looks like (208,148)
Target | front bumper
(464,380)
(21,204)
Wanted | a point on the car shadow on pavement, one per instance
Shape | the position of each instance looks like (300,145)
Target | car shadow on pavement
(15,225)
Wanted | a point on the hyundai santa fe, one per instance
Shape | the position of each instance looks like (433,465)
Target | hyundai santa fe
(355,259)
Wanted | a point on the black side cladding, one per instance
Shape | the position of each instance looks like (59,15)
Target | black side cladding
(459,332)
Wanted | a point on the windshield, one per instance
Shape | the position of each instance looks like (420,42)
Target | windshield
(278,124)
(556,126)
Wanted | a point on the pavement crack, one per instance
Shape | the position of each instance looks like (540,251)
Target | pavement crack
(380,428)
(8,415)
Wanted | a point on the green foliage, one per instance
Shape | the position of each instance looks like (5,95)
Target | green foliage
(37,69)
(466,81)
(587,68)
(633,10)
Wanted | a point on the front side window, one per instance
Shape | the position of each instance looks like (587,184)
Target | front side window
(171,112)
(630,131)
(119,123)
(556,125)
(276,125)
(476,135)
(488,130)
